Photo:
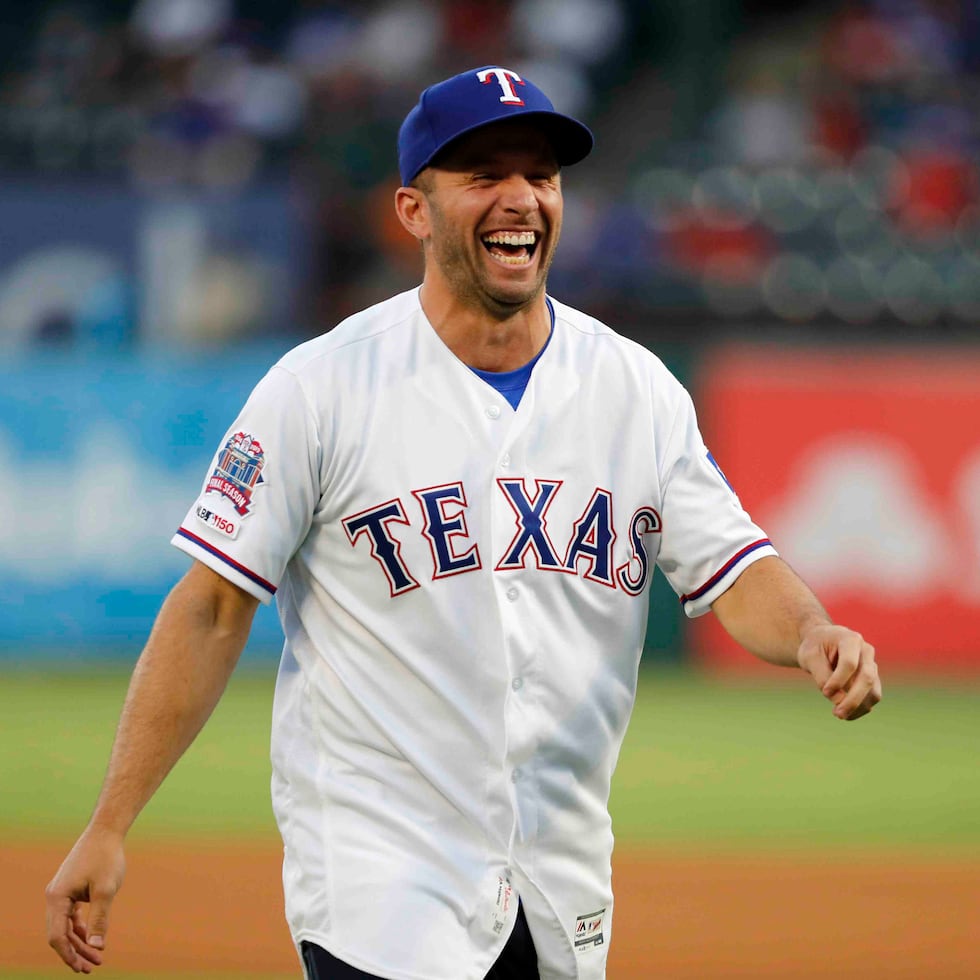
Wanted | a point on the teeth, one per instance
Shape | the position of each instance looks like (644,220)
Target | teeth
(510,238)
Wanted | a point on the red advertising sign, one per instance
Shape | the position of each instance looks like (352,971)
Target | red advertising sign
(864,469)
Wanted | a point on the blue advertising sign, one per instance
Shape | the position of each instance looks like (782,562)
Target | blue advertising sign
(101,457)
(103,266)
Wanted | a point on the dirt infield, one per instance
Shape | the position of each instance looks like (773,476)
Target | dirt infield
(190,907)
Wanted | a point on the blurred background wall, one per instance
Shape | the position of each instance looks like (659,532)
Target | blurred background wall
(784,203)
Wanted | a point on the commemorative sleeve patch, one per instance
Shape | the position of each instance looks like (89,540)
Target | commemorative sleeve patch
(588,930)
(237,474)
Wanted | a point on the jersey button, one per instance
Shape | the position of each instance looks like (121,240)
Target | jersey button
(505,460)
(517,683)
(515,775)
(512,594)
(493,412)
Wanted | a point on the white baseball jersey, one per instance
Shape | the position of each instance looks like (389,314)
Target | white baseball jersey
(463,590)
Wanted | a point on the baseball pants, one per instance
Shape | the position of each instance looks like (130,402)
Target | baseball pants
(518,961)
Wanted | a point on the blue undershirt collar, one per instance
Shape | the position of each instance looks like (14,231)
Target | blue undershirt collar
(511,384)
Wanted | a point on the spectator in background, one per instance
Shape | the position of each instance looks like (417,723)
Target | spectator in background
(219,95)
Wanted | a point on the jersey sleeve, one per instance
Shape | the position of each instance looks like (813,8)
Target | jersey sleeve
(257,502)
(708,539)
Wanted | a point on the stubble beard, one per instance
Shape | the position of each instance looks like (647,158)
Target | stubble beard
(470,281)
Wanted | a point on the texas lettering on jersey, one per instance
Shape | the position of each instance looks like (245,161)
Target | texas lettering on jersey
(588,551)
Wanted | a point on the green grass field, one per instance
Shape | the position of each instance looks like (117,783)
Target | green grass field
(705,764)
(746,766)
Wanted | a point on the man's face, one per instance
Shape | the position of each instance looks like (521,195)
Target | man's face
(495,209)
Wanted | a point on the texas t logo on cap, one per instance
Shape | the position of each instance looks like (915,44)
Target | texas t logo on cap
(468,101)
(505,78)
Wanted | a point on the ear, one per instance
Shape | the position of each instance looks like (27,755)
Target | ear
(413,211)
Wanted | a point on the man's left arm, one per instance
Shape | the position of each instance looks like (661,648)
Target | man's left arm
(772,613)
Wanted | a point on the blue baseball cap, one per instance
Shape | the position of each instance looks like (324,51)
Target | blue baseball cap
(477,98)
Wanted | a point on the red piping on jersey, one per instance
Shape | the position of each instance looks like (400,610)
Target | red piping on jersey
(729,565)
(257,579)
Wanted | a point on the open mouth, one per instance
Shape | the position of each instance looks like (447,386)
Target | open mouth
(511,247)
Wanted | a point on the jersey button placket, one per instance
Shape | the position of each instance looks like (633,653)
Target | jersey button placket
(513,590)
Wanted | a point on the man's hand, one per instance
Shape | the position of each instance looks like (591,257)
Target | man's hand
(180,675)
(843,664)
(771,612)
(79,896)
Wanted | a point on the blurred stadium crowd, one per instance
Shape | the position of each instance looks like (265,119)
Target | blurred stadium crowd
(803,166)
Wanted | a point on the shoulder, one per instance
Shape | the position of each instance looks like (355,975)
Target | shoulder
(340,363)
(352,336)
(598,340)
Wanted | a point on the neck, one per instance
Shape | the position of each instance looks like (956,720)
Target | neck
(483,340)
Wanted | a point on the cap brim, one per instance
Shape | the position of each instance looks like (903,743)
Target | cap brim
(571,140)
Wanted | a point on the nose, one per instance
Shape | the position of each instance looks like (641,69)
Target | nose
(517,195)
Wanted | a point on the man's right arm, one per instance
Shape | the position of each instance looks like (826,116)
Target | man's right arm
(180,676)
